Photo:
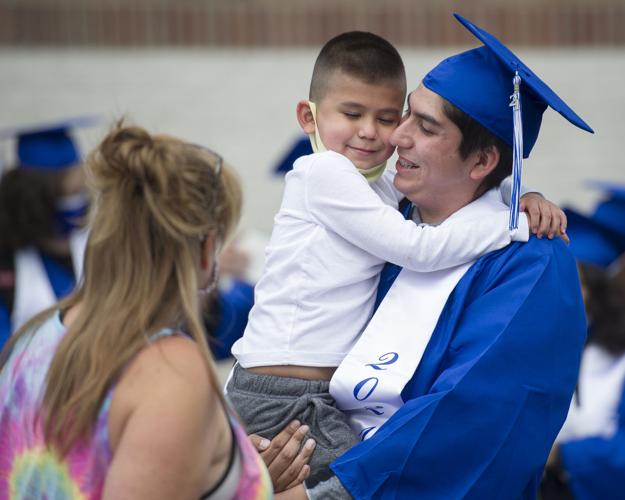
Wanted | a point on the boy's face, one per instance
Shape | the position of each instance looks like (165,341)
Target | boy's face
(357,119)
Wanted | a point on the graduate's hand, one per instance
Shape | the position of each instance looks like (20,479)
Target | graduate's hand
(285,457)
(544,217)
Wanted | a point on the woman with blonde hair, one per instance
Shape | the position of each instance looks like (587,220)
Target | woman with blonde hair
(112,393)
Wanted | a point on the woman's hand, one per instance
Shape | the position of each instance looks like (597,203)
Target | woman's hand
(286,458)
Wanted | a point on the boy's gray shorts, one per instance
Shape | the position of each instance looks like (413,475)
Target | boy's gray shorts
(267,404)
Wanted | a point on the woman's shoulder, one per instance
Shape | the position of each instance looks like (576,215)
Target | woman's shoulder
(172,361)
(170,375)
(166,415)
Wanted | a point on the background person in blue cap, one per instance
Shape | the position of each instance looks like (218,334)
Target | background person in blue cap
(42,210)
(477,381)
(599,238)
(588,460)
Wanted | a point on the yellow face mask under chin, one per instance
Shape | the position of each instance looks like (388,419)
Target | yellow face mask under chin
(371,174)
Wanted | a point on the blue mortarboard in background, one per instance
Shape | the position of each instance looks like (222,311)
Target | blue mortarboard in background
(609,212)
(614,189)
(599,238)
(48,146)
(495,88)
(591,242)
(300,147)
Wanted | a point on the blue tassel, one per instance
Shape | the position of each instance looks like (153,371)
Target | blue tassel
(517,153)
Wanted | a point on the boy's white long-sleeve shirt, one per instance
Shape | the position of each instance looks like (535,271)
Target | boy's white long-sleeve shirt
(331,238)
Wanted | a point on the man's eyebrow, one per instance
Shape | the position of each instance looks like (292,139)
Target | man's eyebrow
(426,118)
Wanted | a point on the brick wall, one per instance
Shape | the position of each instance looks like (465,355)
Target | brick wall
(244,23)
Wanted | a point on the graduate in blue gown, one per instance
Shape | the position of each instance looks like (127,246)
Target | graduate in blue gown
(226,316)
(588,460)
(42,208)
(492,389)
(495,381)
(599,238)
(589,457)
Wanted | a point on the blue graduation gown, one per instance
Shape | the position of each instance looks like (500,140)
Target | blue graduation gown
(492,389)
(234,307)
(596,465)
(5,324)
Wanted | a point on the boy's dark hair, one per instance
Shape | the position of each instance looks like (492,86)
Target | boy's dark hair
(477,138)
(360,54)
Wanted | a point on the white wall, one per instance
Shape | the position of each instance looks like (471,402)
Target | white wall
(242,103)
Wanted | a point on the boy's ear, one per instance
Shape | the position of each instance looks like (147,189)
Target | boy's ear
(305,117)
(485,162)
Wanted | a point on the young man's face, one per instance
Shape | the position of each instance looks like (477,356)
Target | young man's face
(357,119)
(430,171)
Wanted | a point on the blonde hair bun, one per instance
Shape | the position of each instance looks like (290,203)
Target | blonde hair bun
(177,181)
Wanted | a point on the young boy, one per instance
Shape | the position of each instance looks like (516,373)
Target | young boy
(331,238)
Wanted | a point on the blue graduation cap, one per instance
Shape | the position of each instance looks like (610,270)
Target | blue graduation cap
(301,147)
(590,241)
(495,88)
(614,189)
(48,146)
(610,214)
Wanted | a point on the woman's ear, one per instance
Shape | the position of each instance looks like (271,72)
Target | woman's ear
(486,161)
(305,117)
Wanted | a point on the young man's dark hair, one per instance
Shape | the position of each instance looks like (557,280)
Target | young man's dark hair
(361,54)
(476,138)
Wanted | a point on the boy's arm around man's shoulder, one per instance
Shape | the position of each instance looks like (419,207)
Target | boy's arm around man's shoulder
(492,389)
(337,197)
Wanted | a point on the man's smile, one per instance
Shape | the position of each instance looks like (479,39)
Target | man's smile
(402,163)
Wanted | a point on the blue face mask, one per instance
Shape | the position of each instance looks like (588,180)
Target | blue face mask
(70,212)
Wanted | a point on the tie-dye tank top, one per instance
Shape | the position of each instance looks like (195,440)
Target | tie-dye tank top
(28,470)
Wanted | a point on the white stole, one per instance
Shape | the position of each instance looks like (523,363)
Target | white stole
(33,291)
(600,388)
(368,383)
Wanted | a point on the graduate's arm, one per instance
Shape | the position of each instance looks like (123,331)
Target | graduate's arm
(339,198)
(490,394)
(595,467)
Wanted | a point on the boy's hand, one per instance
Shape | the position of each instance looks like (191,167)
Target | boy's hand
(545,218)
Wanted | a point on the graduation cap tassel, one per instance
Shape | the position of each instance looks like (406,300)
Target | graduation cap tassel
(517,152)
